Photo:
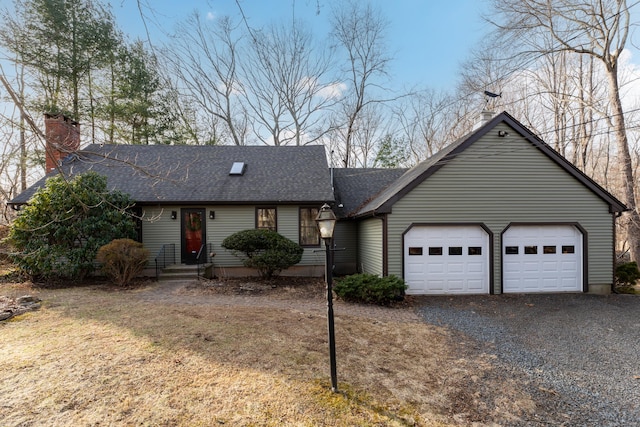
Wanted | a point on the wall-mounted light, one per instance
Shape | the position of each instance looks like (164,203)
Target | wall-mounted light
(174,214)
(212,215)
(502,133)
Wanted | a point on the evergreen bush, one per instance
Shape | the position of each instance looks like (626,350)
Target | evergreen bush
(370,289)
(627,274)
(59,232)
(265,250)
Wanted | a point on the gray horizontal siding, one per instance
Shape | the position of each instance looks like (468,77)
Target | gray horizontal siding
(288,226)
(345,238)
(497,181)
(370,246)
(158,229)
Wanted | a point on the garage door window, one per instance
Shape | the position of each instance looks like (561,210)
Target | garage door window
(415,251)
(511,250)
(568,249)
(548,249)
(437,250)
(475,250)
(455,250)
(530,250)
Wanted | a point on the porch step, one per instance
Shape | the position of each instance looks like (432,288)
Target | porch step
(180,272)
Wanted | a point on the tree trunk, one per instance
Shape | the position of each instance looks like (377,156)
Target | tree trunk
(630,220)
(23,140)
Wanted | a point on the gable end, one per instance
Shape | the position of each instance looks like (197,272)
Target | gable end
(448,153)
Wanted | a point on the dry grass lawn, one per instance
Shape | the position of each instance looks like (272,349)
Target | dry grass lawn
(97,356)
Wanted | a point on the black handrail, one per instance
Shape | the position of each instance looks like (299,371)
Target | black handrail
(166,254)
(206,250)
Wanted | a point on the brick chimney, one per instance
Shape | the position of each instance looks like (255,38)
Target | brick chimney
(62,138)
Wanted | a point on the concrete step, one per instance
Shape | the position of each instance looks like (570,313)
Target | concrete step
(181,272)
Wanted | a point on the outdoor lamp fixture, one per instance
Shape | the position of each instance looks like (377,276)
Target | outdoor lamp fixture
(174,214)
(326,221)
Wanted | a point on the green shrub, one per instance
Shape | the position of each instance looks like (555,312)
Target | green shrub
(122,260)
(65,223)
(371,289)
(264,250)
(627,274)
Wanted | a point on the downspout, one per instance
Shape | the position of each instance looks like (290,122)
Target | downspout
(385,250)
(614,216)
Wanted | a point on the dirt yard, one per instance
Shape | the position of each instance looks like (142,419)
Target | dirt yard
(241,353)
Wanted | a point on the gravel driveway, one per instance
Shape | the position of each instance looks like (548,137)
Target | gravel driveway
(579,354)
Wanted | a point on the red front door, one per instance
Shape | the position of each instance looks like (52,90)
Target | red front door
(193,234)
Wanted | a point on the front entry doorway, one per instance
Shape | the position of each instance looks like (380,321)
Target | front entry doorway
(193,234)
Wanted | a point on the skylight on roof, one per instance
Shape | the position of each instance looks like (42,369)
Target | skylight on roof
(238,168)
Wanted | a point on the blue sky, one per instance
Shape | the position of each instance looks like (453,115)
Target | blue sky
(427,38)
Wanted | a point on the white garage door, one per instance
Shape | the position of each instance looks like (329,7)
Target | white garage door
(546,258)
(446,260)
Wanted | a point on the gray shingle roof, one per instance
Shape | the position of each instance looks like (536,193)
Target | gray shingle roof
(391,193)
(355,187)
(200,174)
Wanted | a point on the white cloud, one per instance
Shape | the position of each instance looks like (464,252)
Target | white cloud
(333,90)
(211,16)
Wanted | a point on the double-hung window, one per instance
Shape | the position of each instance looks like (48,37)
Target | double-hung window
(309,235)
(266,218)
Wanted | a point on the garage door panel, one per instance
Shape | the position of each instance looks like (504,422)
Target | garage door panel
(451,268)
(435,285)
(415,270)
(455,285)
(531,283)
(543,258)
(455,267)
(435,268)
(567,282)
(476,285)
(476,267)
(570,266)
(510,267)
(417,286)
(509,284)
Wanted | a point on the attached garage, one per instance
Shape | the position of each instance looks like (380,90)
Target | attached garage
(542,258)
(447,259)
(497,211)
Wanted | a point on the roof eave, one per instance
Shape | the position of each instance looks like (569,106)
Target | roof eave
(235,203)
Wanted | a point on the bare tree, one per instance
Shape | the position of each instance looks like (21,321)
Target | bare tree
(368,134)
(286,83)
(360,31)
(18,160)
(594,28)
(422,120)
(204,57)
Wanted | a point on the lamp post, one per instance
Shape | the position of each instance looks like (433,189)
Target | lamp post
(326,221)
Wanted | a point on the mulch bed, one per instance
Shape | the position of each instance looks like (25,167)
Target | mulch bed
(299,287)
